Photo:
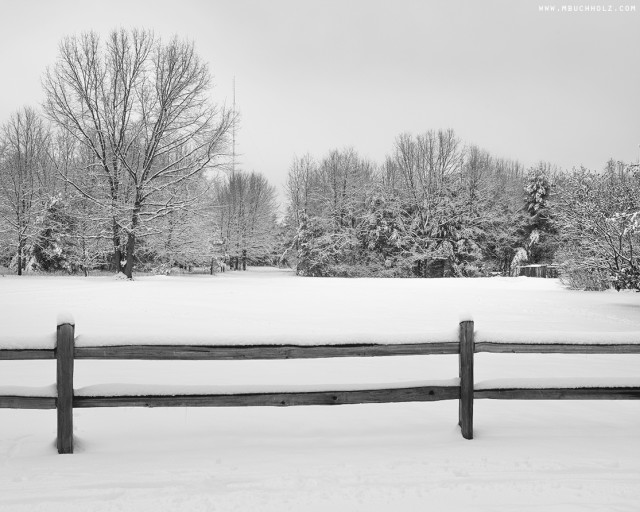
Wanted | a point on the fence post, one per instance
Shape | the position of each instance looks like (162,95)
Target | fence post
(465,413)
(64,403)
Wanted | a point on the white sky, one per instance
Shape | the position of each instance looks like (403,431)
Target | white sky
(316,75)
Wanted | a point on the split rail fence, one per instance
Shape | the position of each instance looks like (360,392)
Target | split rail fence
(66,353)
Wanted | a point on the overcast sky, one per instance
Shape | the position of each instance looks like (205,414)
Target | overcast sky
(315,75)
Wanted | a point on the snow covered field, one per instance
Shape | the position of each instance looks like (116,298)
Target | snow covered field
(565,456)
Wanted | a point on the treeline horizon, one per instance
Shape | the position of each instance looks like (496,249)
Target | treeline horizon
(129,166)
(438,207)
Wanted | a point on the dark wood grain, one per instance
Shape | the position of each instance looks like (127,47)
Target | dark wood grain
(556,348)
(244,352)
(27,354)
(465,416)
(560,394)
(27,402)
(369,396)
(64,379)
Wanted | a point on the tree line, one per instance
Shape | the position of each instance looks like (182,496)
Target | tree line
(126,165)
(437,207)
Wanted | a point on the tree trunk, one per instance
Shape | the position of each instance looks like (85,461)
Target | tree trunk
(131,239)
(20,251)
(117,252)
(117,259)
(131,243)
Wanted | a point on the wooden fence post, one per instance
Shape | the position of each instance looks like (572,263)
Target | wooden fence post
(64,403)
(465,413)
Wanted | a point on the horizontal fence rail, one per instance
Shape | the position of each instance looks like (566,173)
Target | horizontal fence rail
(246,352)
(586,393)
(28,402)
(465,392)
(557,348)
(27,354)
(368,396)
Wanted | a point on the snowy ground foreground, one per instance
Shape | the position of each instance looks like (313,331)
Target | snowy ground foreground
(274,306)
(559,456)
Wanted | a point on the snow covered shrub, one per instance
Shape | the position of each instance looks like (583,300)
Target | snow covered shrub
(342,270)
(579,273)
(578,278)
(366,270)
(626,228)
(599,222)
(627,278)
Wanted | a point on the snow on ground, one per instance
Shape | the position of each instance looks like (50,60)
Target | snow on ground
(526,455)
(274,306)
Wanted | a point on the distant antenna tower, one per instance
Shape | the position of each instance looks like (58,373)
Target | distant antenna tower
(233,130)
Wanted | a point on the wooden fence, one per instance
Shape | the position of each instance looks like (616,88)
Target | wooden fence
(66,353)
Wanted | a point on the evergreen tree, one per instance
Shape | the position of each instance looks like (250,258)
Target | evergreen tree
(53,246)
(539,231)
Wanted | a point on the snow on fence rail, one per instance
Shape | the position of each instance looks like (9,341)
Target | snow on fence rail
(463,388)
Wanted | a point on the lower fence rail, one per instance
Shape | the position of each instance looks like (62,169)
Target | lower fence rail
(631,393)
(66,400)
(27,402)
(368,396)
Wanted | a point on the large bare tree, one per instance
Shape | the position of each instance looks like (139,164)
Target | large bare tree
(141,106)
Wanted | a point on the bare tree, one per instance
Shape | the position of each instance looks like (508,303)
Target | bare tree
(343,182)
(25,179)
(299,185)
(246,215)
(141,107)
(184,237)
(427,170)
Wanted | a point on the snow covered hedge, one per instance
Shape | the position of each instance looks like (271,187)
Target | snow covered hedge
(599,224)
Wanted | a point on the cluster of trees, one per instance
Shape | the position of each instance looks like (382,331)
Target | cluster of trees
(434,208)
(438,207)
(122,166)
